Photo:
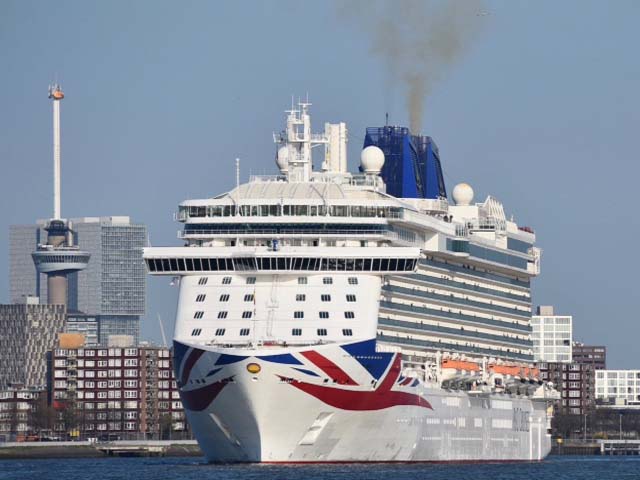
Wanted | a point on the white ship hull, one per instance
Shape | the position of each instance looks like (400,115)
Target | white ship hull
(291,412)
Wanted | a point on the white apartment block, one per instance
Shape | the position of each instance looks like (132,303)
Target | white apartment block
(551,335)
(618,387)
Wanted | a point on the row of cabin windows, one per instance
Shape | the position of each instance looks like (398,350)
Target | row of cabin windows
(322,332)
(249,264)
(301,280)
(296,332)
(324,315)
(249,314)
(249,297)
(300,297)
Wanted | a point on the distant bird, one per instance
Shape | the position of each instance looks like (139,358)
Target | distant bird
(482,13)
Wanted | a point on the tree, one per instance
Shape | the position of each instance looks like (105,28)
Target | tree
(166,426)
(42,416)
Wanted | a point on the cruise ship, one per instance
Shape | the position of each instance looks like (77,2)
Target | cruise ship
(329,316)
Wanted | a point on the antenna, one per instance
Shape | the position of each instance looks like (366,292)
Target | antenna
(164,337)
(237,173)
(55,93)
(386,119)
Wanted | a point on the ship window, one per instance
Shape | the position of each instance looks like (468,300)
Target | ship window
(220,332)
(244,332)
(165,265)
(347,332)
(251,280)
(197,265)
(302,280)
(324,315)
(198,315)
(247,314)
(298,314)
(174,264)
(158,264)
(224,297)
(201,297)
(226,280)
(203,280)
(384,264)
(300,297)
(195,332)
(351,298)
(322,332)
(249,297)
(327,280)
(189,262)
(349,315)
(325,298)
(296,332)
(222,314)
(376,264)
(353,280)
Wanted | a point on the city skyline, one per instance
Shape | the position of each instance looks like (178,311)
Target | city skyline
(151,113)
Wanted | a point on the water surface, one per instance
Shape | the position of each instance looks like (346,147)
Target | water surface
(554,468)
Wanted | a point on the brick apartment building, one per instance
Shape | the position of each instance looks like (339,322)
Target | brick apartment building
(115,393)
(576,380)
(590,355)
(18,412)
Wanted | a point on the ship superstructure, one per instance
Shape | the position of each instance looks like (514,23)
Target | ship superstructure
(316,310)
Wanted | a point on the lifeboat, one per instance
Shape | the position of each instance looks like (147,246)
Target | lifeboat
(462,365)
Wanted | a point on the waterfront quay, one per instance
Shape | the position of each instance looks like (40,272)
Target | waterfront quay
(91,449)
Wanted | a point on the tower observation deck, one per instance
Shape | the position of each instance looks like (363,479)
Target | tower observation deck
(59,256)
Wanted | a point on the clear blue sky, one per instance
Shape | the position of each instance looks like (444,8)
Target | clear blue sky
(542,112)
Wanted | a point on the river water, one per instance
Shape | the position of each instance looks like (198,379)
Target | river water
(554,468)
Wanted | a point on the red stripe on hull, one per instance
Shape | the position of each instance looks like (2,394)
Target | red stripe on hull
(328,367)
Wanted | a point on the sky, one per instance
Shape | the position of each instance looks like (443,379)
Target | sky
(541,110)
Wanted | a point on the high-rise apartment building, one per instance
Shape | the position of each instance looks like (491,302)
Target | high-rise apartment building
(551,335)
(111,287)
(27,332)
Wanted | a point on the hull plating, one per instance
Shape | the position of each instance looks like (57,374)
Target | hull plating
(345,403)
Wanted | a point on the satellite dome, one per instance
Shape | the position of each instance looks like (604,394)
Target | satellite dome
(282,159)
(463,194)
(372,159)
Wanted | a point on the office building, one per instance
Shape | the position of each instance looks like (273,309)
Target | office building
(27,332)
(551,335)
(112,286)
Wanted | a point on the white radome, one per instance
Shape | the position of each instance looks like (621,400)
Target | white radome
(282,159)
(372,159)
(463,194)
